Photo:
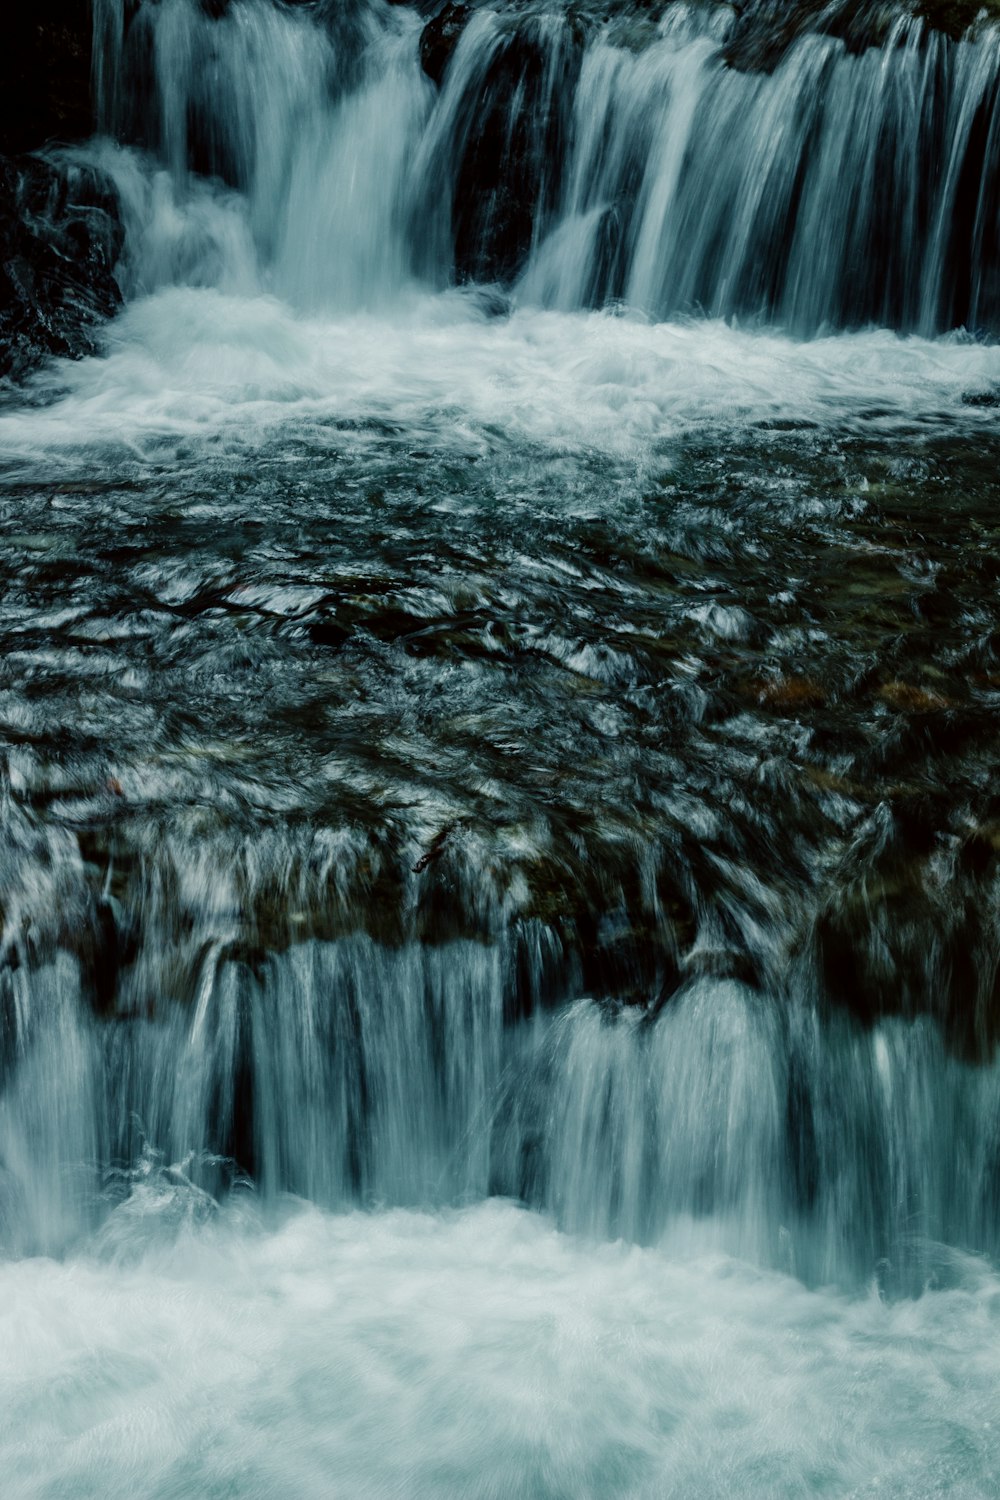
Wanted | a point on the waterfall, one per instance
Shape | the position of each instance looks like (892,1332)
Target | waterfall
(499,830)
(632,1023)
(694,1006)
(577,167)
(351,1073)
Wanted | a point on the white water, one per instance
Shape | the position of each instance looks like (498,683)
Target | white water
(244,371)
(314,294)
(478,1353)
(349,1073)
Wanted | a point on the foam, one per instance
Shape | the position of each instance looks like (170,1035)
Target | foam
(241,371)
(478,1353)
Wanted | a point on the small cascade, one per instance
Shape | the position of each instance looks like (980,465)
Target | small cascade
(351,1073)
(499,814)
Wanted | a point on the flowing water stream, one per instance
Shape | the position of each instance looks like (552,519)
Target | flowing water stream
(498,697)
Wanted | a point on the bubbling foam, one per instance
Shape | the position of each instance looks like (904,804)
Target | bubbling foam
(189,363)
(480,1353)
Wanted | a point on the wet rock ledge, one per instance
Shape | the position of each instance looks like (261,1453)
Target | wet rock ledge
(760,33)
(60,230)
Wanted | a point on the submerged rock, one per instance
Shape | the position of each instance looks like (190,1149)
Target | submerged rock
(60,239)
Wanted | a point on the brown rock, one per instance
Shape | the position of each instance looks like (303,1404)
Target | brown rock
(908,698)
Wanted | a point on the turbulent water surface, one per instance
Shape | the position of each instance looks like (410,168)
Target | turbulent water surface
(498,688)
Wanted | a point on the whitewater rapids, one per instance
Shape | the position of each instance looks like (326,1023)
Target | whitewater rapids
(477,1354)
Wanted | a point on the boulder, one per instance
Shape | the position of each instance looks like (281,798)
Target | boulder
(60,239)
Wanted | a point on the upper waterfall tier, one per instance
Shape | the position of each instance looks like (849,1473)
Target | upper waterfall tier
(576,163)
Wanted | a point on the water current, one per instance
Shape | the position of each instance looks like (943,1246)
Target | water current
(498,695)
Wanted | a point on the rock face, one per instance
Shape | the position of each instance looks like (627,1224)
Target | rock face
(507,133)
(60,231)
(761,32)
(60,238)
(440,37)
(510,167)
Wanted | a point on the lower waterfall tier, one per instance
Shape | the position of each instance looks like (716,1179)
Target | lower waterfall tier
(349,1074)
(403,807)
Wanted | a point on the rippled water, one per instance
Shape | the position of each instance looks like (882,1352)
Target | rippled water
(666,623)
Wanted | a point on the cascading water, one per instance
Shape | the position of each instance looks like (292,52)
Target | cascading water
(579,168)
(498,695)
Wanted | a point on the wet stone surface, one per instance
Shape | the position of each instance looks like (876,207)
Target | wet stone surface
(734,712)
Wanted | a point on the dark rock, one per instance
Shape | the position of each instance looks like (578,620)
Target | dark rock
(764,30)
(912,932)
(441,36)
(60,239)
(510,144)
(956,17)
